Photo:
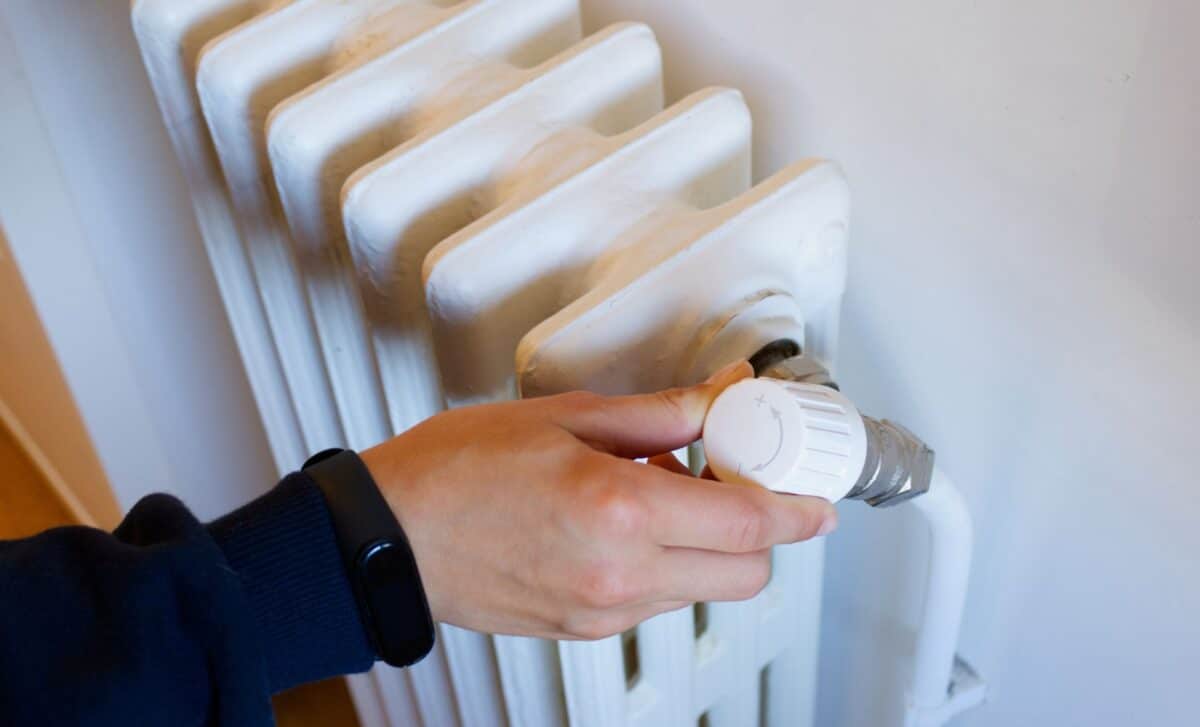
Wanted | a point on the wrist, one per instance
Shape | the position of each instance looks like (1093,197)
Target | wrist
(412,493)
(377,557)
(379,468)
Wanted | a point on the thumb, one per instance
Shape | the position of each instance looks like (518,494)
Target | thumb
(643,425)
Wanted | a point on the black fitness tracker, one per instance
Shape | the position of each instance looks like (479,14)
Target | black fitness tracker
(378,558)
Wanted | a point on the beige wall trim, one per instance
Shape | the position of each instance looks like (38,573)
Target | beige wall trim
(42,463)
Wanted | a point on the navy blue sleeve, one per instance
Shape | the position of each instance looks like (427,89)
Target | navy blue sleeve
(167,621)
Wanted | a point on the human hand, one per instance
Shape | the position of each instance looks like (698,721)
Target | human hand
(531,517)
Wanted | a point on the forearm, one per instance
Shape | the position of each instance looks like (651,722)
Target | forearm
(168,621)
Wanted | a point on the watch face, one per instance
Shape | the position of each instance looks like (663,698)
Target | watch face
(400,621)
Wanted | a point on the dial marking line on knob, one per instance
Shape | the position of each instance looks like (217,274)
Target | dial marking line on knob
(778,444)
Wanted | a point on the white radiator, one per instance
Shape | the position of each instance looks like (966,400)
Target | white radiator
(414,202)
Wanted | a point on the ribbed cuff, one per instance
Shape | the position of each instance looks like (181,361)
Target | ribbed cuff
(284,550)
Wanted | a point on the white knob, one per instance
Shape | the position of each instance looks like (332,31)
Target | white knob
(803,439)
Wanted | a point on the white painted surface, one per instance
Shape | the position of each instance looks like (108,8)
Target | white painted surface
(175,34)
(947,574)
(101,228)
(1022,294)
(381,105)
(490,283)
(466,162)
(659,317)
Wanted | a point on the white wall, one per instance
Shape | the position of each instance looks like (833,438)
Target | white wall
(1023,294)
(100,226)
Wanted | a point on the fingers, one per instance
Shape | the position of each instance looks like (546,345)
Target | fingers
(685,511)
(602,624)
(675,578)
(645,424)
(684,574)
(670,463)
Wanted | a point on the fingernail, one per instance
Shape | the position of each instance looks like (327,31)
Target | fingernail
(828,526)
(725,372)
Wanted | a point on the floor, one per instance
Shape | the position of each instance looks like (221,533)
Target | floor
(28,506)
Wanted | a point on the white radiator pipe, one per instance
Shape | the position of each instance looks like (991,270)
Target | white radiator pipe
(809,439)
(941,685)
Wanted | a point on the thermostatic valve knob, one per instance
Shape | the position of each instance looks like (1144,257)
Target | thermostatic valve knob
(809,439)
(803,439)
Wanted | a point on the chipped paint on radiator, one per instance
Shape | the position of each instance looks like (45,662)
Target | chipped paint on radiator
(409,203)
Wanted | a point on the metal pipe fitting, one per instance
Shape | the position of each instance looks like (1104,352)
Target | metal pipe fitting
(898,466)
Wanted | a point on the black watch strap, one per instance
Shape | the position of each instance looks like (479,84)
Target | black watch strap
(378,558)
